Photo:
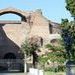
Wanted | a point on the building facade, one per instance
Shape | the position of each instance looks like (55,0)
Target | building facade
(14,33)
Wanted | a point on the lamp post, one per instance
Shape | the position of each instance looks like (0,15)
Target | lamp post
(25,64)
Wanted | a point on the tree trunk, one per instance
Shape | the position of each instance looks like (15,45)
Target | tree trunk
(35,59)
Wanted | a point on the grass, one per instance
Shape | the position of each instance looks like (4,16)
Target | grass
(53,73)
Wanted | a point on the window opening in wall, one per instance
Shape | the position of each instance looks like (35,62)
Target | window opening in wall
(41,41)
(50,28)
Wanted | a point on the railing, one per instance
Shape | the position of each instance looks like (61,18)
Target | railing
(11,65)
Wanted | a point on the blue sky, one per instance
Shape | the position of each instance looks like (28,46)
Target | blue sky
(54,10)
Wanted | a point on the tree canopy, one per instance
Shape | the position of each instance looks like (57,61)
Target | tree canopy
(68,35)
(70,6)
(68,31)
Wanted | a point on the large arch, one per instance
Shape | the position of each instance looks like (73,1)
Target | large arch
(13,11)
(9,56)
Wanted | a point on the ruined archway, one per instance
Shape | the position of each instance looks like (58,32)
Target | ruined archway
(13,11)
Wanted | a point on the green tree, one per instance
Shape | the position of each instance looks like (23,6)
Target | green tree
(30,49)
(56,52)
(70,6)
(68,35)
(68,31)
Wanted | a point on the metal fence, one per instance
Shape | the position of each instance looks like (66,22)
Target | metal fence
(17,65)
(11,65)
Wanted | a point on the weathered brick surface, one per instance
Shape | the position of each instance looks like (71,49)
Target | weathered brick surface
(32,24)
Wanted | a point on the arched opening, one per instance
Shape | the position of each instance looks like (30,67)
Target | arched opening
(54,41)
(10,56)
(13,11)
(10,16)
(12,64)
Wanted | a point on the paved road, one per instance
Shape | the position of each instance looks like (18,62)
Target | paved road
(12,74)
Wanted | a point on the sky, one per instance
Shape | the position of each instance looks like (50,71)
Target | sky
(54,10)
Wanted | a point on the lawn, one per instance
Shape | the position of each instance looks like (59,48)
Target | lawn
(53,73)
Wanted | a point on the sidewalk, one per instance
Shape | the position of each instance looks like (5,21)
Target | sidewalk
(12,74)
